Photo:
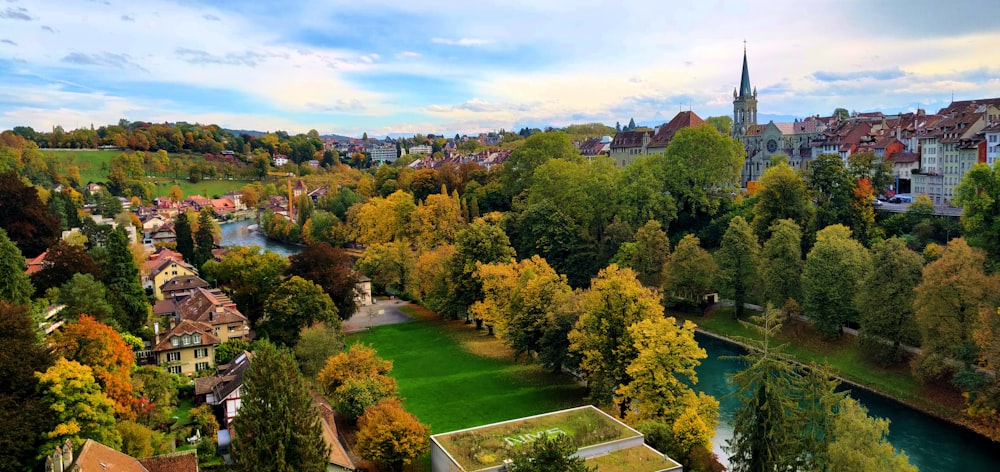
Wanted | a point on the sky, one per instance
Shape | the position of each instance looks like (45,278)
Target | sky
(445,66)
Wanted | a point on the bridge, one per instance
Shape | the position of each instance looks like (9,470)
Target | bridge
(939,210)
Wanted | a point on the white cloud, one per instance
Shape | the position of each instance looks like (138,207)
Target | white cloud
(407,55)
(462,41)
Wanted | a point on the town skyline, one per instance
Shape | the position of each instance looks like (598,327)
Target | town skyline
(385,69)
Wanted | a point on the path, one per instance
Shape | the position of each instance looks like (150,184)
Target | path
(383,312)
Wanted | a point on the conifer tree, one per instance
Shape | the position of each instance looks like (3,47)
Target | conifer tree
(738,259)
(15,286)
(277,429)
(185,239)
(203,238)
(125,294)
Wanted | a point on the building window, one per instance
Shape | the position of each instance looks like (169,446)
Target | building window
(175,341)
(186,339)
(197,339)
(199,353)
(173,357)
(201,366)
(232,328)
(174,369)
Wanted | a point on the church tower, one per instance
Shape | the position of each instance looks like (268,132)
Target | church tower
(744,103)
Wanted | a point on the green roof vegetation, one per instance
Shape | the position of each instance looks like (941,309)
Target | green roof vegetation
(633,459)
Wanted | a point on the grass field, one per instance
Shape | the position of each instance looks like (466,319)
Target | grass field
(452,376)
(95,165)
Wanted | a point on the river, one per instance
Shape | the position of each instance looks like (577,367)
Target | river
(933,445)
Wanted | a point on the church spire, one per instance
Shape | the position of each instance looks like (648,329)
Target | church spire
(745,90)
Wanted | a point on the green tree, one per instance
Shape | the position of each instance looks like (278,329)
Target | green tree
(279,429)
(702,166)
(157,395)
(651,254)
(859,442)
(841,114)
(549,454)
(230,349)
(317,343)
(782,195)
(80,409)
(83,294)
(866,166)
(832,190)
(834,270)
(15,285)
(885,301)
(781,263)
(478,242)
(979,196)
(62,262)
(23,415)
(295,304)
(738,261)
(724,124)
(690,270)
(641,192)
(121,277)
(251,275)
(518,170)
(203,238)
(601,339)
(544,230)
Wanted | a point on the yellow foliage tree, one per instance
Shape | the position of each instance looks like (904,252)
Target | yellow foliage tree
(389,436)
(382,220)
(436,221)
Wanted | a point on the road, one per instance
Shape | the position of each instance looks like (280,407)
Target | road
(940,210)
(383,312)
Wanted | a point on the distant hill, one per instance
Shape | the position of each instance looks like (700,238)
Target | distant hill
(250,132)
(338,137)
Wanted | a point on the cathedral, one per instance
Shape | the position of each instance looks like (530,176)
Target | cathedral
(762,142)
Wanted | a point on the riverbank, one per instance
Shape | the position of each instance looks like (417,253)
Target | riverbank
(844,359)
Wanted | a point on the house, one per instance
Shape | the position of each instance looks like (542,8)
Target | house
(152,223)
(215,309)
(97,457)
(188,348)
(162,271)
(317,193)
(904,164)
(237,199)
(50,320)
(419,149)
(223,206)
(665,133)
(93,188)
(163,235)
(338,460)
(223,388)
(197,202)
(363,291)
(626,146)
(35,264)
(182,286)
(279,160)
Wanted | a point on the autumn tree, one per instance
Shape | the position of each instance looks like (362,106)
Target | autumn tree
(330,268)
(947,303)
(15,285)
(23,415)
(979,196)
(100,347)
(517,299)
(121,276)
(652,248)
(478,242)
(859,442)
(24,217)
(549,454)
(738,261)
(701,166)
(81,410)
(251,275)
(358,362)
(387,264)
(62,262)
(782,195)
(390,436)
(156,392)
(429,282)
(382,220)
(690,270)
(279,429)
(834,270)
(601,339)
(317,343)
(295,304)
(885,301)
(781,263)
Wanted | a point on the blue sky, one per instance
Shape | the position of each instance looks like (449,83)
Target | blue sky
(384,66)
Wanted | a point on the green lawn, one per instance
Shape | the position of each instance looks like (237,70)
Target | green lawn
(205,188)
(94,165)
(448,386)
(842,356)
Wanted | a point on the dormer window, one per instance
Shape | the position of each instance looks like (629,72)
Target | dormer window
(186,339)
(197,339)
(175,341)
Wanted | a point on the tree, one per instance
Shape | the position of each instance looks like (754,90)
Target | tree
(278,427)
(203,238)
(782,194)
(175,194)
(80,409)
(358,394)
(139,440)
(389,436)
(601,339)
(947,303)
(23,415)
(387,264)
(979,196)
(251,275)
(101,348)
(834,270)
(859,442)
(26,219)
(781,263)
(185,237)
(652,249)
(230,349)
(330,268)
(832,190)
(382,220)
(549,454)
(126,295)
(663,374)
(157,395)
(866,166)
(548,232)
(738,261)
(478,242)
(690,270)
(724,124)
(885,301)
(317,343)
(436,221)
(15,285)
(62,262)
(841,114)
(518,170)
(702,166)
(295,304)
(360,361)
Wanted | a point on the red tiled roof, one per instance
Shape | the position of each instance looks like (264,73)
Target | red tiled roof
(904,158)
(188,327)
(684,119)
(186,461)
(628,139)
(98,457)
(35,264)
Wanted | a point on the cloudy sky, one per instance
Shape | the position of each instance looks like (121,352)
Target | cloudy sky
(446,66)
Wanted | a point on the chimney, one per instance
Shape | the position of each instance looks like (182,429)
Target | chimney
(67,452)
(156,333)
(57,461)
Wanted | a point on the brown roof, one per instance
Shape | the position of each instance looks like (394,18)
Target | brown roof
(628,139)
(35,263)
(183,282)
(755,130)
(165,307)
(186,461)
(188,327)
(98,457)
(210,306)
(163,264)
(338,455)
(904,157)
(684,119)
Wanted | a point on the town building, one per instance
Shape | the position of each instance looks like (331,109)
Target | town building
(163,269)
(383,153)
(94,456)
(213,308)
(188,348)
